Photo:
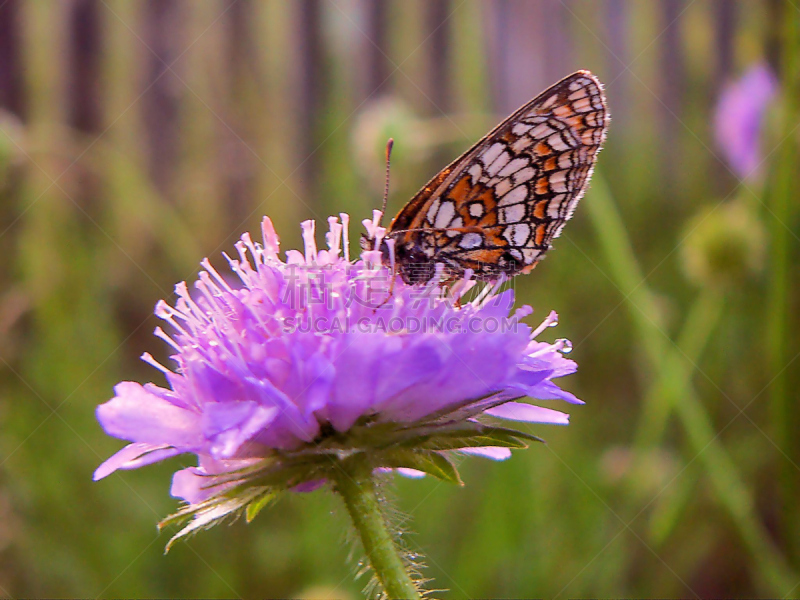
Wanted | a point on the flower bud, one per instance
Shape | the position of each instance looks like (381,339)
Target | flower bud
(723,245)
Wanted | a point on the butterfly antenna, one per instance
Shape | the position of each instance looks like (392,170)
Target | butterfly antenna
(389,145)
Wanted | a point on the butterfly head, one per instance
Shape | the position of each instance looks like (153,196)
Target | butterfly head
(407,260)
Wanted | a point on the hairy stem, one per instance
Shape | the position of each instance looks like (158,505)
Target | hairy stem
(355,484)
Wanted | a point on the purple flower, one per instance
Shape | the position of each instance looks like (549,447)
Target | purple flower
(738,119)
(304,362)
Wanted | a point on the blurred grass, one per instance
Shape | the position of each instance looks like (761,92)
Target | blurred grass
(658,488)
(785,415)
(730,490)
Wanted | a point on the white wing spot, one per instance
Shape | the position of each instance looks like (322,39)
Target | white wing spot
(503,186)
(471,240)
(518,194)
(476,210)
(492,153)
(557,143)
(542,131)
(500,162)
(521,144)
(431,216)
(514,166)
(565,161)
(554,208)
(512,214)
(457,222)
(520,128)
(517,234)
(524,175)
(476,172)
(531,255)
(445,215)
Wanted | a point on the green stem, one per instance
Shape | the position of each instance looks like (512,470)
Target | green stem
(355,483)
(678,367)
(659,405)
(781,195)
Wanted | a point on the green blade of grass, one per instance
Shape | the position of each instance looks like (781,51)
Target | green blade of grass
(781,197)
(678,367)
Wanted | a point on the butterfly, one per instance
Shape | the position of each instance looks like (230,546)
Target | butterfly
(497,207)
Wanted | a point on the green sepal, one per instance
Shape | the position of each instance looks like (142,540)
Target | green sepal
(421,446)
(469,435)
(477,441)
(205,515)
(283,472)
(428,461)
(259,503)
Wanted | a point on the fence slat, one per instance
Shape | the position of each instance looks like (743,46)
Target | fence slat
(374,52)
(238,162)
(162,29)
(438,27)
(12,95)
(725,17)
(84,111)
(672,83)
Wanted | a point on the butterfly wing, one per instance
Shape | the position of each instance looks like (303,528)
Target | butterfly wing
(498,206)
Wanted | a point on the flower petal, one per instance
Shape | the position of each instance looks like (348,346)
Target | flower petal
(353,390)
(491,452)
(547,390)
(517,411)
(231,424)
(134,456)
(139,416)
(191,485)
(195,484)
(410,473)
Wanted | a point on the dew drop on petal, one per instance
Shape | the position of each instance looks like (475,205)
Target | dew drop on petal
(566,345)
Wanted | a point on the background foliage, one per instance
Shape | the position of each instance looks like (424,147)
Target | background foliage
(137,137)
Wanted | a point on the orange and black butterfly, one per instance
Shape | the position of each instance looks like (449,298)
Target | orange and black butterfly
(497,207)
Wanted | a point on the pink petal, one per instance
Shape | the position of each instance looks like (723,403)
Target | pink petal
(194,485)
(134,456)
(410,473)
(492,452)
(139,416)
(517,411)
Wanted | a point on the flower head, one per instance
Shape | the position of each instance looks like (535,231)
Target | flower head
(303,363)
(738,119)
